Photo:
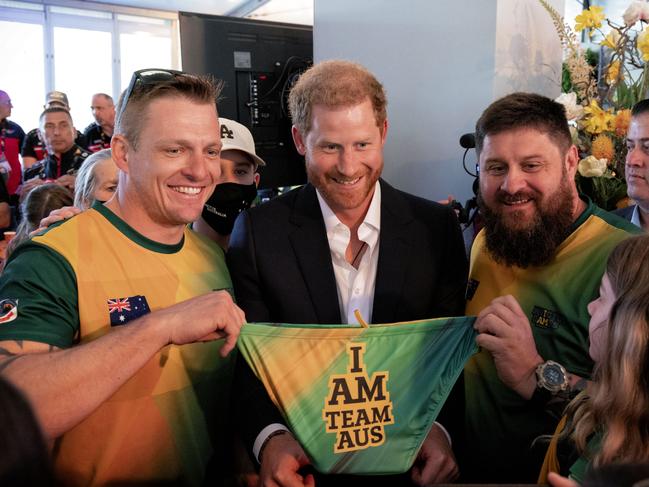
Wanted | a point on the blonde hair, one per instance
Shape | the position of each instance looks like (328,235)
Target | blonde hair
(333,84)
(617,402)
(131,112)
(86,182)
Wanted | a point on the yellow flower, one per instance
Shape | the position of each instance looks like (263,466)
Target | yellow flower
(622,121)
(591,18)
(603,148)
(597,120)
(613,72)
(643,44)
(611,39)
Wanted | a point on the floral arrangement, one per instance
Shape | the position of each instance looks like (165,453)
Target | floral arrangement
(598,101)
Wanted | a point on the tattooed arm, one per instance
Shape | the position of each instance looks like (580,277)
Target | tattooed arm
(66,385)
(11,350)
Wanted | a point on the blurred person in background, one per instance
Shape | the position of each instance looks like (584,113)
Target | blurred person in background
(236,188)
(11,138)
(5,209)
(637,167)
(33,148)
(64,156)
(24,459)
(96,180)
(37,205)
(99,132)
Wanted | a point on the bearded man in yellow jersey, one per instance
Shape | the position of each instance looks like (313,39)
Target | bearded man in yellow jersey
(111,320)
(534,269)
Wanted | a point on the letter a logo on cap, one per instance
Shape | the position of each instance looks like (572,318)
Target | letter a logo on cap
(226,133)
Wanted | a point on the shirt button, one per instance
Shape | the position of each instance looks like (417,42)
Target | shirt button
(357,291)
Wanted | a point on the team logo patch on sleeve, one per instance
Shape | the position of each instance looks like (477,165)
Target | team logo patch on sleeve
(8,310)
(123,310)
(547,319)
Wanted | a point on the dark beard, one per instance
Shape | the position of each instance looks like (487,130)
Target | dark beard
(535,245)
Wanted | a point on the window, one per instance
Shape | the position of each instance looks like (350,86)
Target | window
(140,48)
(82,67)
(80,52)
(20,78)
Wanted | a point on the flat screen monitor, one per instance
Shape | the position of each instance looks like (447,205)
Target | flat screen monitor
(258,61)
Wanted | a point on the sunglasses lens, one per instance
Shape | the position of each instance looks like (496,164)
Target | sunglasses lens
(145,77)
(155,76)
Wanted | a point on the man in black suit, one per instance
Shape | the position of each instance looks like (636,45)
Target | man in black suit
(637,166)
(345,241)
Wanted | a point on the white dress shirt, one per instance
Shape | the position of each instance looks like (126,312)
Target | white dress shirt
(355,286)
(635,217)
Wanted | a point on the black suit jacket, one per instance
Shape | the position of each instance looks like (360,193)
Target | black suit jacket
(280,263)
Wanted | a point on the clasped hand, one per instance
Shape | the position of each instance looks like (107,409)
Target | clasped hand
(505,331)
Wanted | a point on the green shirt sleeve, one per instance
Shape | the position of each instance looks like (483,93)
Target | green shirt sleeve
(578,470)
(583,463)
(43,286)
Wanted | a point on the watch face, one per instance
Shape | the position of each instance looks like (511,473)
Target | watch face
(553,375)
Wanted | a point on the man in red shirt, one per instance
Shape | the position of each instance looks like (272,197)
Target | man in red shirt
(11,138)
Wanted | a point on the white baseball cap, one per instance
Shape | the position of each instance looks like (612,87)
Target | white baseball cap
(236,136)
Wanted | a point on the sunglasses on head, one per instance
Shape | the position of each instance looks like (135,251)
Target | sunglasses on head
(148,77)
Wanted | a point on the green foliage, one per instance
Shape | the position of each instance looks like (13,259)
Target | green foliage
(625,95)
(592,57)
(566,83)
(605,192)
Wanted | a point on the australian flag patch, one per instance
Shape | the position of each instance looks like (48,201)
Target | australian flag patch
(123,310)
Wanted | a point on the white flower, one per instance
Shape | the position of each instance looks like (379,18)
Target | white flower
(591,167)
(574,134)
(637,10)
(574,111)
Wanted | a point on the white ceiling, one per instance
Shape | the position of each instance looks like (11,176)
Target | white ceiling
(214,7)
(293,11)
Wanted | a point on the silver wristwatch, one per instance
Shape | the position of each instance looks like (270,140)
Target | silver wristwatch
(552,377)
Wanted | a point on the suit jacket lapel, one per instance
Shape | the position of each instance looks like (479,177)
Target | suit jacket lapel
(311,248)
(394,255)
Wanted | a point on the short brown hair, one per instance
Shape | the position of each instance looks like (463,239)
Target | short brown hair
(55,109)
(106,97)
(524,110)
(335,83)
(130,118)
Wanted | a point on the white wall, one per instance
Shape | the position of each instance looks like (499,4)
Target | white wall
(442,63)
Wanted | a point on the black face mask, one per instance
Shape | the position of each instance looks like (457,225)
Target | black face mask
(225,204)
